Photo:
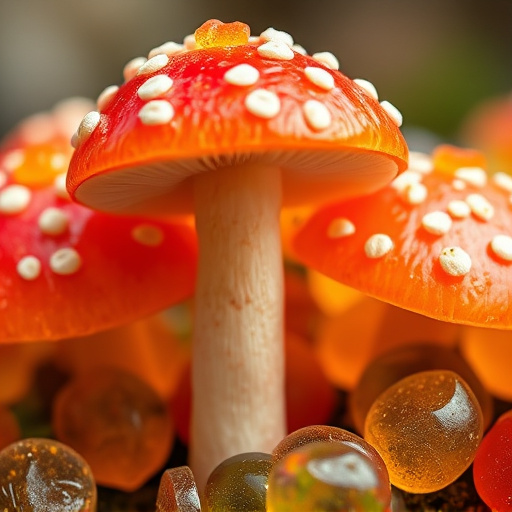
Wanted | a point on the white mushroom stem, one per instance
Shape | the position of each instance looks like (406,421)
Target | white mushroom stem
(238,360)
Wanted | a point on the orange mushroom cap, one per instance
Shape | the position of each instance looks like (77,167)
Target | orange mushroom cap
(227,102)
(66,270)
(437,242)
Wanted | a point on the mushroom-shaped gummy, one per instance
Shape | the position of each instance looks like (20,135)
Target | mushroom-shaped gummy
(66,270)
(232,130)
(436,241)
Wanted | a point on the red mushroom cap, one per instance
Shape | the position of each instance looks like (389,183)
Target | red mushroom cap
(230,102)
(435,242)
(66,270)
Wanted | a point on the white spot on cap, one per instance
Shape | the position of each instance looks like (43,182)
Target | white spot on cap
(132,67)
(458,209)
(503,181)
(458,185)
(60,186)
(501,245)
(341,227)
(13,159)
(156,112)
(392,112)
(320,77)
(53,221)
(436,223)
(475,176)
(299,49)
(146,234)
(65,261)
(327,59)
(14,199)
(271,34)
(368,87)
(58,161)
(154,87)
(275,50)
(189,42)
(480,206)
(170,48)
(406,179)
(316,114)
(243,75)
(415,193)
(378,245)
(263,103)
(420,162)
(455,261)
(154,64)
(87,126)
(29,268)
(106,96)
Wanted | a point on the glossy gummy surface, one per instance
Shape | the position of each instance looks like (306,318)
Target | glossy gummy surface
(39,475)
(327,476)
(177,491)
(239,484)
(427,428)
(492,468)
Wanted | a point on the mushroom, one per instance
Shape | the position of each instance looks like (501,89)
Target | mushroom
(231,130)
(436,241)
(66,270)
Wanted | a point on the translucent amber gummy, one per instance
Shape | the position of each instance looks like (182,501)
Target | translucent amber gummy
(401,362)
(325,433)
(427,428)
(239,484)
(177,491)
(118,423)
(214,33)
(41,475)
(492,468)
(325,477)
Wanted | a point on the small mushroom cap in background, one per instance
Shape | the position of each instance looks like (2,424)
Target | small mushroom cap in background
(66,270)
(437,241)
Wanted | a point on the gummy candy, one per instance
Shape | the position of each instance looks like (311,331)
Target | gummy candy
(41,475)
(239,484)
(400,362)
(177,491)
(427,428)
(118,423)
(492,467)
(328,476)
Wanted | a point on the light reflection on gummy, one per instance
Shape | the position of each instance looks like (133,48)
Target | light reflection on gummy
(41,475)
(326,477)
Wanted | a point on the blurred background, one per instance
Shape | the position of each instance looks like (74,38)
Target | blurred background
(433,59)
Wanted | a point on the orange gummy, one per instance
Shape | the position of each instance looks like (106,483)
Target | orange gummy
(447,159)
(117,423)
(215,33)
(177,491)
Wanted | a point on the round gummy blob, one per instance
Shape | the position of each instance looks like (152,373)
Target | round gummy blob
(427,428)
(40,475)
(239,483)
(118,423)
(327,476)
(492,467)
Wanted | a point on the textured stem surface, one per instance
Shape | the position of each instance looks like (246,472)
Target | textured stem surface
(238,367)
